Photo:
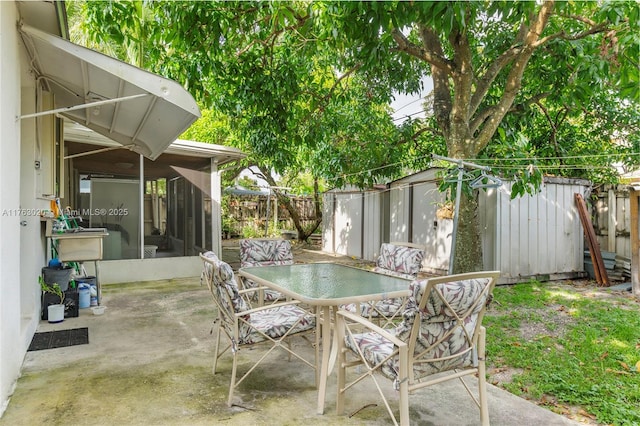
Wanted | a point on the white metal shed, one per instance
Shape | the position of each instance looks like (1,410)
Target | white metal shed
(538,236)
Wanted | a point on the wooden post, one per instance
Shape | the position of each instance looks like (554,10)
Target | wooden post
(634,198)
(611,222)
(594,248)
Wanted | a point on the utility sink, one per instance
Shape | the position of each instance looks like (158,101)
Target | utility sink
(78,244)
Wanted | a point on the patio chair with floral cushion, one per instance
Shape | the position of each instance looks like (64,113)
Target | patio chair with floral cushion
(264,252)
(271,325)
(402,260)
(440,338)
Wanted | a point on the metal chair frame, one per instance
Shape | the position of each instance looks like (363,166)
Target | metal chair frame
(413,363)
(233,322)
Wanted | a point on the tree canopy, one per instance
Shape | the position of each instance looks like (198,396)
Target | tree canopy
(529,88)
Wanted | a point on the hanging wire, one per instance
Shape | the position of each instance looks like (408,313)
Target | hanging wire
(495,164)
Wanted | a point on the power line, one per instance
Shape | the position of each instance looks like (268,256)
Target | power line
(404,117)
(410,103)
(493,163)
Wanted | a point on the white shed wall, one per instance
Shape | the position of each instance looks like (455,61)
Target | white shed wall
(538,236)
(352,223)
(372,225)
(532,236)
(399,213)
(414,203)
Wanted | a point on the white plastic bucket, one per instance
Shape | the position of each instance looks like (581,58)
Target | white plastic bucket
(55,313)
(84,295)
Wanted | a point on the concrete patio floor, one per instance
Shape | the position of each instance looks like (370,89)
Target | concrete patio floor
(149,359)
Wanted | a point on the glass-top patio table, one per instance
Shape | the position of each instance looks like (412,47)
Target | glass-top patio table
(327,286)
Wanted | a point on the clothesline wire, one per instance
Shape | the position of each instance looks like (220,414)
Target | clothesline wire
(526,163)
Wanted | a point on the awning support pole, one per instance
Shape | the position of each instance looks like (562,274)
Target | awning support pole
(83,106)
(96,151)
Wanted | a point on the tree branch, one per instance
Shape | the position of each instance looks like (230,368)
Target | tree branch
(514,78)
(463,78)
(421,53)
(482,116)
(442,103)
(487,79)
(484,83)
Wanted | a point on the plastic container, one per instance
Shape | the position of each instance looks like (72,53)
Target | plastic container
(61,276)
(98,310)
(91,280)
(93,291)
(150,251)
(84,291)
(55,263)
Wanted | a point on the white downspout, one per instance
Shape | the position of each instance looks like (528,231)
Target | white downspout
(216,211)
(141,224)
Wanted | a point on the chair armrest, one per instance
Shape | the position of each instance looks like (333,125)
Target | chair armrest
(244,291)
(355,318)
(265,307)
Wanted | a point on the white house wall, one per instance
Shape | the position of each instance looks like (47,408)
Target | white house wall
(22,247)
(27,184)
(10,283)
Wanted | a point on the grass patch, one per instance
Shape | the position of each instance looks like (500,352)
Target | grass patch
(573,349)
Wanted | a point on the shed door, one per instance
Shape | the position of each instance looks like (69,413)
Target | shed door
(348,224)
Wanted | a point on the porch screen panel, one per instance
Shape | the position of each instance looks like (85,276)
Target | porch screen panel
(115,205)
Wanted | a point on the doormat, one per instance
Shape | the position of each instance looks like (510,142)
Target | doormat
(59,339)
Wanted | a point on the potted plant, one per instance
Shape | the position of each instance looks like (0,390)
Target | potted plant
(55,312)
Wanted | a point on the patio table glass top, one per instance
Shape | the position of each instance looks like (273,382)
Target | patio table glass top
(328,283)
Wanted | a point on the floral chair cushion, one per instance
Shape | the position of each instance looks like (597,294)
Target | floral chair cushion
(226,287)
(436,320)
(386,308)
(256,252)
(400,261)
(252,328)
(275,323)
(207,267)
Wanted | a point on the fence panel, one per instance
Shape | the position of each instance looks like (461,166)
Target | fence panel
(611,216)
(252,211)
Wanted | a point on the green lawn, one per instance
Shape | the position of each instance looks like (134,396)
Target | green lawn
(573,348)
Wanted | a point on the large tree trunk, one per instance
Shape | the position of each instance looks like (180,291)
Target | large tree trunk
(466,123)
(468,254)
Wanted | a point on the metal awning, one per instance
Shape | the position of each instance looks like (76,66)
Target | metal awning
(131,106)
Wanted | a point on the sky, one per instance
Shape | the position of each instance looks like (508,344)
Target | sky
(410,105)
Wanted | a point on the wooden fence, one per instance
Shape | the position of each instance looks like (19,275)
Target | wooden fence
(611,217)
(610,210)
(254,211)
